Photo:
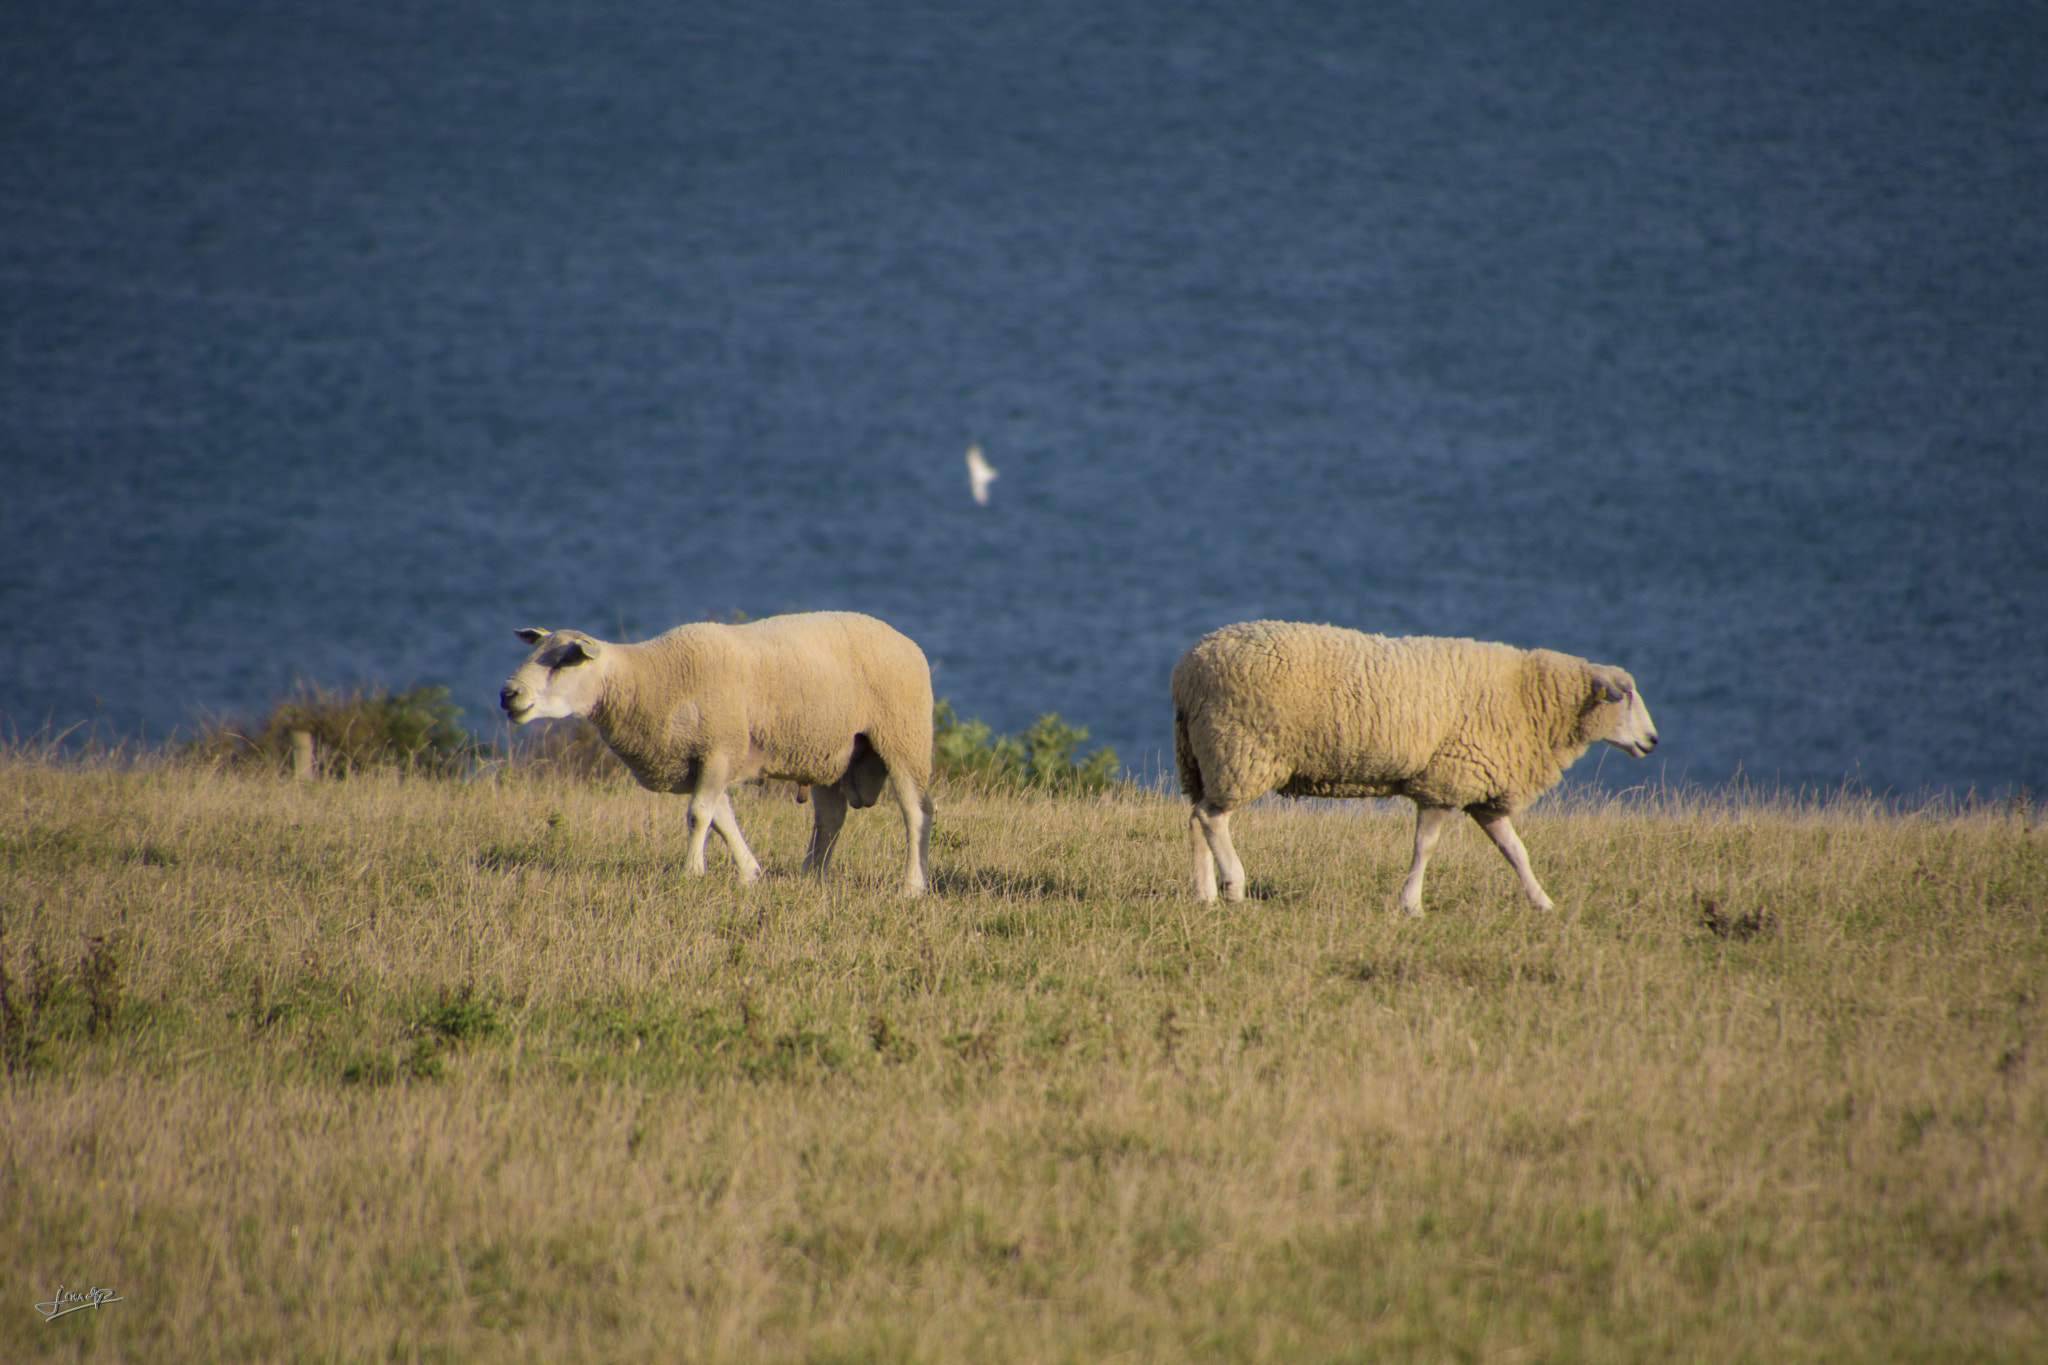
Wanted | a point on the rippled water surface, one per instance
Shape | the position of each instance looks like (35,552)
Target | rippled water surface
(1709,340)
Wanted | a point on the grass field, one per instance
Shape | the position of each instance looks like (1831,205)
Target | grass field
(434,1070)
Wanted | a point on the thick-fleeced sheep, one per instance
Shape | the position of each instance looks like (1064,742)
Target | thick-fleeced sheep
(835,700)
(1310,710)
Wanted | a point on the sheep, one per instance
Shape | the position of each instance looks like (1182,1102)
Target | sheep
(1309,710)
(836,701)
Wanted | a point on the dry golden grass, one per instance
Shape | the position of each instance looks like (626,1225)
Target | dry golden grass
(382,1070)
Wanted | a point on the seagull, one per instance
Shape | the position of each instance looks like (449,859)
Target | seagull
(979,475)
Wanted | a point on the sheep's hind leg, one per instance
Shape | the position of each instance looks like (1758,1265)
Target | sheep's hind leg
(828,813)
(1205,861)
(1209,838)
(1429,826)
(1502,831)
(917,834)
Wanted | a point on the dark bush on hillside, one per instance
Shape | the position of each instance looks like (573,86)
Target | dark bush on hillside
(353,731)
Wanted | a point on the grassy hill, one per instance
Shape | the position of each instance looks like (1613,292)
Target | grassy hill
(425,1069)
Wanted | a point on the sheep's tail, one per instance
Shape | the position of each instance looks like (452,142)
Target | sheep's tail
(1184,756)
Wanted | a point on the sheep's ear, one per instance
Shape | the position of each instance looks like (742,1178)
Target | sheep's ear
(1605,690)
(533,635)
(575,652)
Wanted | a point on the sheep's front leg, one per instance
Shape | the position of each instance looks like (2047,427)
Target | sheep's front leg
(711,808)
(828,813)
(1502,831)
(1429,826)
(1209,839)
(698,818)
(728,827)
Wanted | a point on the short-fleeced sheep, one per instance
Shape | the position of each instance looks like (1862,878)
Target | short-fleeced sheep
(1310,710)
(835,700)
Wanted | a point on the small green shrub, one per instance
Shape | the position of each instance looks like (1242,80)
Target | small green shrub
(460,1017)
(355,730)
(1040,759)
(373,1069)
(421,1063)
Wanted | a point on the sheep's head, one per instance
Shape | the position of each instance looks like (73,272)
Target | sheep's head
(562,677)
(1615,712)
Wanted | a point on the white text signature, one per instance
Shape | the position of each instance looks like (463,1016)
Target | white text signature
(71,1300)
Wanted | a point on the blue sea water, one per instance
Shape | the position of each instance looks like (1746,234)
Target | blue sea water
(1708,339)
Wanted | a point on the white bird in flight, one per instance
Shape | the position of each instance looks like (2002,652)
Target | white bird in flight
(979,475)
